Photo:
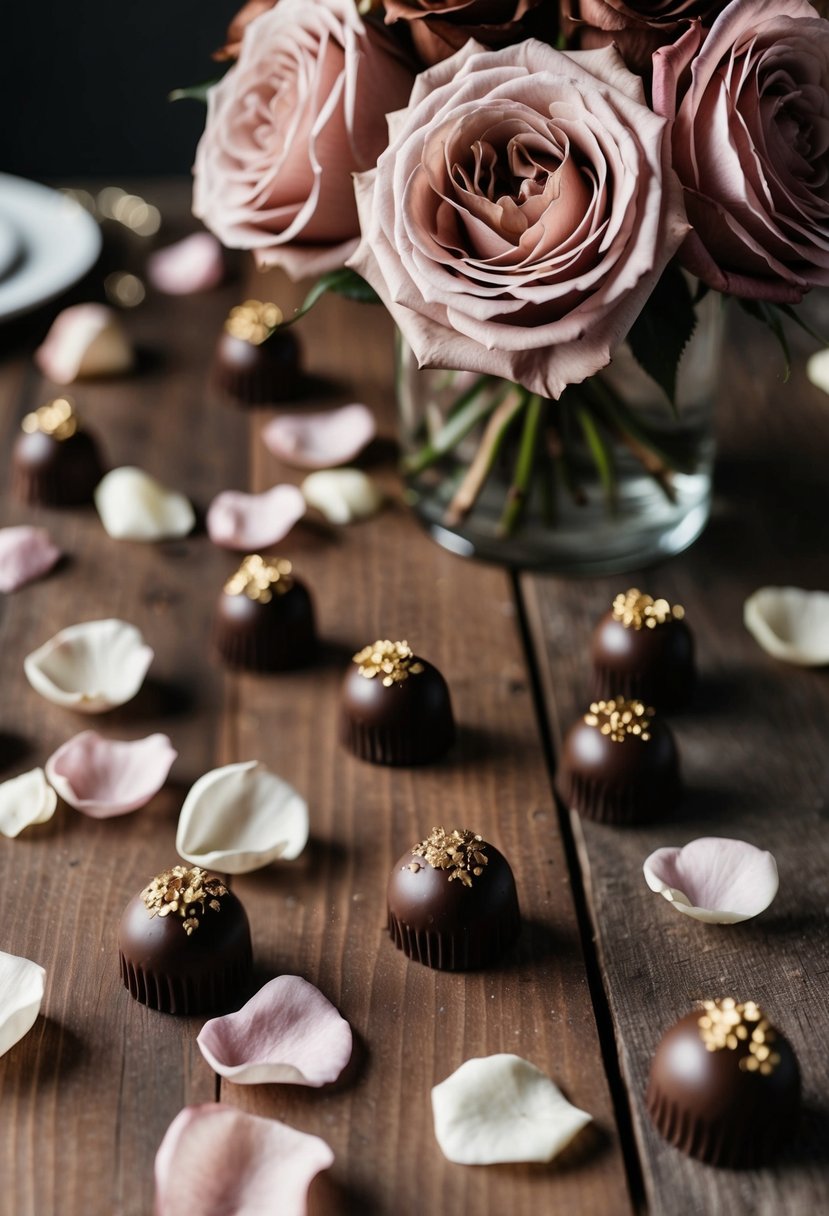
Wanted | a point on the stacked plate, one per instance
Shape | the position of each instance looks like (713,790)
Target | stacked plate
(47,243)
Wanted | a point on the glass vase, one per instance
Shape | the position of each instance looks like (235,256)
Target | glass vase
(609,478)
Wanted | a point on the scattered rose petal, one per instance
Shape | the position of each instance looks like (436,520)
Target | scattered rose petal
(192,265)
(817,369)
(790,624)
(320,441)
(715,880)
(134,506)
(91,667)
(108,777)
(342,495)
(21,991)
(85,340)
(502,1108)
(26,553)
(248,522)
(24,801)
(241,818)
(289,1032)
(215,1160)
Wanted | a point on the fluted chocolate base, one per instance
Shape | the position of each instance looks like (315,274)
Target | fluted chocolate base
(207,993)
(257,374)
(56,473)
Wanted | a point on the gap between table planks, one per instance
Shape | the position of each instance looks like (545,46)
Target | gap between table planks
(756,767)
(86,1097)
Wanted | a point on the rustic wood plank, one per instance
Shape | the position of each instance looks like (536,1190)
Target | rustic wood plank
(753,750)
(324,917)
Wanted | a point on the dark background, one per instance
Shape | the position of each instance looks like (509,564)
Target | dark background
(84,84)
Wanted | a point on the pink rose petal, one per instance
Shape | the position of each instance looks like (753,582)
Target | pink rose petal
(713,879)
(25,554)
(215,1160)
(85,340)
(107,777)
(192,265)
(288,1032)
(248,522)
(320,441)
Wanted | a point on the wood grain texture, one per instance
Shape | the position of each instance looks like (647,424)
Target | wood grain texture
(753,749)
(86,1097)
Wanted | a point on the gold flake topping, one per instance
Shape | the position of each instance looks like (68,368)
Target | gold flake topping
(459,851)
(619,718)
(180,890)
(56,418)
(393,661)
(636,610)
(726,1024)
(253,321)
(259,579)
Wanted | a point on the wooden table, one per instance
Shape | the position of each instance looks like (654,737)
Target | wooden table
(602,966)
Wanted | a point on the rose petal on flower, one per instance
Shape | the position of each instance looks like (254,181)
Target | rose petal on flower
(91,667)
(320,441)
(108,777)
(241,817)
(215,1160)
(342,495)
(288,1032)
(254,521)
(502,1108)
(21,992)
(85,340)
(24,801)
(817,369)
(790,624)
(713,879)
(26,553)
(134,506)
(189,266)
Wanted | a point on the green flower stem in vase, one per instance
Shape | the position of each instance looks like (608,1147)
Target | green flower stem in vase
(606,479)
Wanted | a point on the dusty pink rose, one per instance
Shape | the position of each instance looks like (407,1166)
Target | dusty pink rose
(522,214)
(302,109)
(441,27)
(637,27)
(750,144)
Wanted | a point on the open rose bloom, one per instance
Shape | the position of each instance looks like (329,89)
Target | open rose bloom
(637,27)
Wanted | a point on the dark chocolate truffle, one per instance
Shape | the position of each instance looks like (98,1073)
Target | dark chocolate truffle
(724,1085)
(55,463)
(184,944)
(395,707)
(619,764)
(452,902)
(257,359)
(264,618)
(643,650)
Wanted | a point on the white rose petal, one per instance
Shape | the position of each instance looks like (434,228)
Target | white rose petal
(817,369)
(502,1108)
(91,667)
(134,506)
(715,880)
(241,818)
(24,801)
(342,495)
(85,340)
(21,992)
(790,624)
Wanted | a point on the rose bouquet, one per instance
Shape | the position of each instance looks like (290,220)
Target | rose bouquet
(528,190)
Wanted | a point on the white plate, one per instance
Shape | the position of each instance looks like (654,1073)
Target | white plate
(59,241)
(10,247)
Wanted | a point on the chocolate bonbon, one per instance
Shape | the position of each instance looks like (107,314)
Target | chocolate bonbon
(257,359)
(452,902)
(55,463)
(724,1085)
(642,649)
(264,619)
(184,943)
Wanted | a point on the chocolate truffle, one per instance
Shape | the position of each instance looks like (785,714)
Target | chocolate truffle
(264,618)
(724,1085)
(452,902)
(619,764)
(257,359)
(643,649)
(184,944)
(55,463)
(395,707)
